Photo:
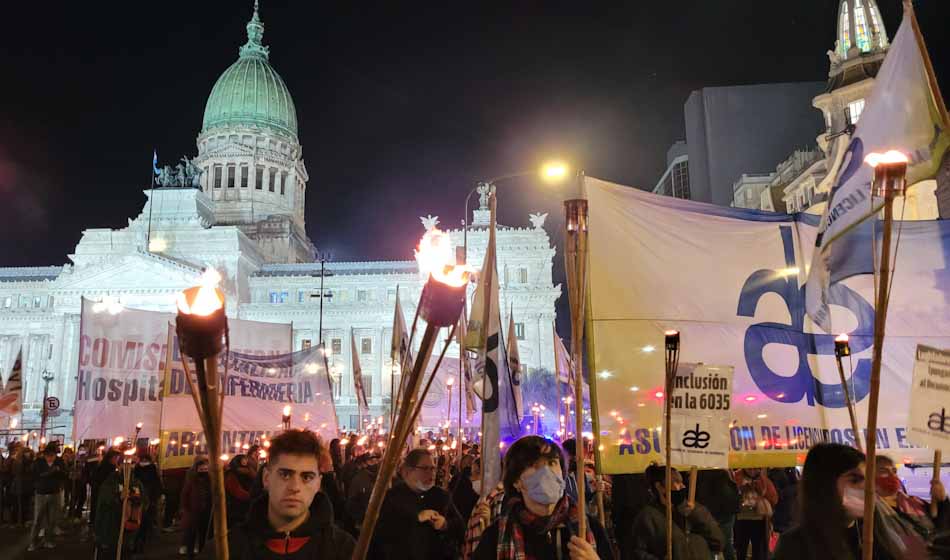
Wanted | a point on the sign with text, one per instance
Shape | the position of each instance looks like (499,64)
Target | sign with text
(929,416)
(699,423)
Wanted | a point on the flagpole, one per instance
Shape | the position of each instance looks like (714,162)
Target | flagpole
(928,65)
(557,374)
(575,256)
(889,182)
(595,423)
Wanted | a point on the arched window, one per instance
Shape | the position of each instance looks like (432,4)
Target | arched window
(273,180)
(878,29)
(844,31)
(862,34)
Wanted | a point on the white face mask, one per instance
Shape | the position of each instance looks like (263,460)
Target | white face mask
(853,502)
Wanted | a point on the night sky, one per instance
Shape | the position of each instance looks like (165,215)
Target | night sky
(401,109)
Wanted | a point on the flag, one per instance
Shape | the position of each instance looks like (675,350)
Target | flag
(562,361)
(465,364)
(155,169)
(399,352)
(903,113)
(514,363)
(501,419)
(11,391)
(358,375)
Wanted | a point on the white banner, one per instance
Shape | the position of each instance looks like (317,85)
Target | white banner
(263,378)
(731,281)
(929,419)
(121,363)
(699,422)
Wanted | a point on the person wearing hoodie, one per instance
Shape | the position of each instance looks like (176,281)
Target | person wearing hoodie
(754,520)
(696,535)
(292,520)
(417,519)
(238,480)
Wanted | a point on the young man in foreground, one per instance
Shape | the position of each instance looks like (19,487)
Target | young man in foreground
(292,520)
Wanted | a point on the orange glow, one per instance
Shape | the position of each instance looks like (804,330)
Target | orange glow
(841,338)
(671,332)
(207,299)
(287,410)
(436,257)
(890,156)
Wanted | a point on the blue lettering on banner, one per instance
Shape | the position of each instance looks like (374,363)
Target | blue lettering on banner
(803,384)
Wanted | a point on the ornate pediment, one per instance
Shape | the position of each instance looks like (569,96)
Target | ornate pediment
(127,272)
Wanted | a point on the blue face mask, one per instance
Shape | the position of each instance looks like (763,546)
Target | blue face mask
(543,486)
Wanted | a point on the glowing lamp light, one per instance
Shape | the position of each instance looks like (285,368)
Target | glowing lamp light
(501,445)
(648,348)
(266,443)
(129,452)
(634,388)
(224,457)
(432,447)
(246,446)
(42,440)
(450,381)
(13,423)
(658,394)
(287,410)
(605,374)
(362,441)
(554,171)
(138,426)
(117,441)
(154,441)
(750,398)
(760,416)
(201,321)
(381,445)
(890,173)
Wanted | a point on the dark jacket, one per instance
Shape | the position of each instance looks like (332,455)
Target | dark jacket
(695,537)
(195,499)
(463,493)
(48,479)
(795,544)
(399,535)
(148,475)
(317,538)
(544,545)
(718,493)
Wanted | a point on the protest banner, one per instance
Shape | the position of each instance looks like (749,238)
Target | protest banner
(700,405)
(121,364)
(262,378)
(929,414)
(731,280)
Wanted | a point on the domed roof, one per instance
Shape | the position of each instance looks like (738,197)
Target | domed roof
(250,92)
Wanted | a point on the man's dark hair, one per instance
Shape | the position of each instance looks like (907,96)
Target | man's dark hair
(570,447)
(414,457)
(824,521)
(295,442)
(656,474)
(52,448)
(523,454)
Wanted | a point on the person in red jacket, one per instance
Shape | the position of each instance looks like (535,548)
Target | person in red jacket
(754,520)
(237,484)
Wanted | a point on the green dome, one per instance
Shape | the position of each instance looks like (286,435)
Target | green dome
(250,92)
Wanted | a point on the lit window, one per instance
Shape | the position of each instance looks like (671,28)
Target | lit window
(300,296)
(523,275)
(844,38)
(366,345)
(519,331)
(305,344)
(876,25)
(861,35)
(231,176)
(855,108)
(336,346)
(278,297)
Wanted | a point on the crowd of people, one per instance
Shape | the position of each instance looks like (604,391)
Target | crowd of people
(301,498)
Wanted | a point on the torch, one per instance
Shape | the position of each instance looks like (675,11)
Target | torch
(890,171)
(672,361)
(575,257)
(440,304)
(285,417)
(842,349)
(126,483)
(138,430)
(202,327)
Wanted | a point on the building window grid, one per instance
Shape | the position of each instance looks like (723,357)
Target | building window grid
(259,183)
(366,345)
(862,38)
(273,180)
(845,38)
(217,176)
(232,171)
(336,346)
(283,182)
(245,172)
(855,108)
(519,331)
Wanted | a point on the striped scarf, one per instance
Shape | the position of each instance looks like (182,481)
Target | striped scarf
(516,518)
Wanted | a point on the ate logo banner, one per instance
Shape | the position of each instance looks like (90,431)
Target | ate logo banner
(699,423)
(803,384)
(928,419)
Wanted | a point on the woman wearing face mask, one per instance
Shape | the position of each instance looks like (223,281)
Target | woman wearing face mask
(832,504)
(538,520)
(906,520)
(696,534)
(418,519)
(466,486)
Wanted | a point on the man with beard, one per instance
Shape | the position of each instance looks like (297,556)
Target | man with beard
(293,520)
(418,519)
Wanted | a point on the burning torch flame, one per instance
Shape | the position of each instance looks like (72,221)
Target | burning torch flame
(891,156)
(841,338)
(287,410)
(207,300)
(436,257)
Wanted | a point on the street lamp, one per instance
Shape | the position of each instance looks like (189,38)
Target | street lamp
(551,172)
